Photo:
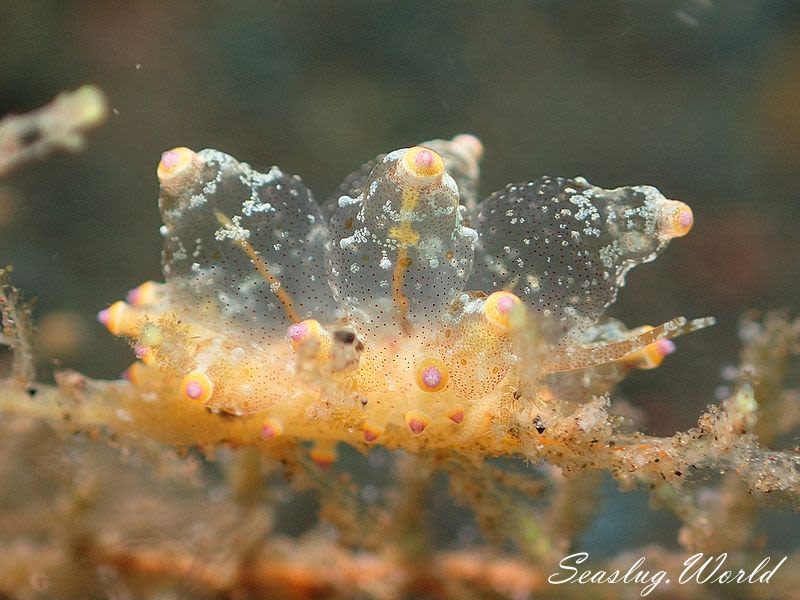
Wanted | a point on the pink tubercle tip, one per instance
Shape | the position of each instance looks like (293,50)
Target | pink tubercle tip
(417,426)
(194,390)
(686,219)
(271,428)
(665,347)
(370,435)
(297,331)
(103,317)
(141,353)
(457,416)
(324,462)
(431,377)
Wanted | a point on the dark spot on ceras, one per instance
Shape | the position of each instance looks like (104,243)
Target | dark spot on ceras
(30,136)
(345,336)
(347,352)
(538,425)
(348,338)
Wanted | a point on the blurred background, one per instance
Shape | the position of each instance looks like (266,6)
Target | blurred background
(700,98)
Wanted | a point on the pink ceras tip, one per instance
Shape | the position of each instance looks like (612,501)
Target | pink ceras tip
(267,432)
(424,159)
(104,316)
(170,159)
(194,390)
(133,296)
(141,354)
(471,143)
(665,347)
(685,218)
(297,332)
(505,304)
(431,377)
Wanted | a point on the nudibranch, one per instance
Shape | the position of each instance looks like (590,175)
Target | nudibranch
(402,311)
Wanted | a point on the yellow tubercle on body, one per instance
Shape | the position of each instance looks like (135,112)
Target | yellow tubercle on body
(271,428)
(498,308)
(310,336)
(417,421)
(371,432)
(141,374)
(432,375)
(422,164)
(197,386)
(456,415)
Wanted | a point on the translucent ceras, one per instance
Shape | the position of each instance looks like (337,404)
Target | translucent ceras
(402,311)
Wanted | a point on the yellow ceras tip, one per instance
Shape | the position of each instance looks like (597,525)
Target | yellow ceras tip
(271,428)
(422,163)
(174,162)
(675,219)
(498,308)
(197,386)
(417,421)
(432,375)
